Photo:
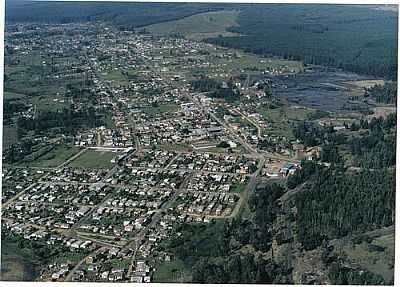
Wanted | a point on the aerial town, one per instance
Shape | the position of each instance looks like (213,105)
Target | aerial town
(121,138)
(161,158)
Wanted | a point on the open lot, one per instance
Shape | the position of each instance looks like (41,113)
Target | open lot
(160,109)
(172,271)
(55,157)
(94,159)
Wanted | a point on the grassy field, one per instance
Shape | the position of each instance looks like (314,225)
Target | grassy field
(175,147)
(248,61)
(70,257)
(238,188)
(115,76)
(198,26)
(10,135)
(120,263)
(27,81)
(173,271)
(94,159)
(55,157)
(366,256)
(279,119)
(13,96)
(163,108)
(374,261)
(50,103)
(16,264)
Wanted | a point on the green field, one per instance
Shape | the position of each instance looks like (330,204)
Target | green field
(163,108)
(246,61)
(16,264)
(70,257)
(13,96)
(375,261)
(238,187)
(10,135)
(115,76)
(94,159)
(173,271)
(279,119)
(50,103)
(55,157)
(198,26)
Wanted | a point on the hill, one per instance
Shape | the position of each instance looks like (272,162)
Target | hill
(203,25)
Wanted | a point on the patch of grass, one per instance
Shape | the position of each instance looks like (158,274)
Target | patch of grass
(198,26)
(247,61)
(16,264)
(279,119)
(163,108)
(94,159)
(114,75)
(10,135)
(376,261)
(13,96)
(110,124)
(70,257)
(120,263)
(175,147)
(238,188)
(56,156)
(46,103)
(173,271)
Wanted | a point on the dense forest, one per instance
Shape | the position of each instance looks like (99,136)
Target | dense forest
(126,15)
(358,39)
(335,204)
(376,148)
(386,93)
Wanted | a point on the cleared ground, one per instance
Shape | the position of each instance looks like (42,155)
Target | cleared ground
(382,112)
(198,26)
(366,83)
